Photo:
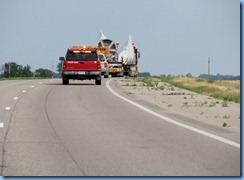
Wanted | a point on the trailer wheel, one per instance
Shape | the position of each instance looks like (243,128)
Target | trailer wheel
(65,81)
(98,81)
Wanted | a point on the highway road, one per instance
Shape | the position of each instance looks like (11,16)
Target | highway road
(50,129)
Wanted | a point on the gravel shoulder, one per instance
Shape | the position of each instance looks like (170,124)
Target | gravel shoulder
(194,109)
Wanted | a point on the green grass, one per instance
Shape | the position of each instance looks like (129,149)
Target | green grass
(21,78)
(201,86)
(161,88)
(148,81)
(207,90)
(226,96)
(167,79)
(200,80)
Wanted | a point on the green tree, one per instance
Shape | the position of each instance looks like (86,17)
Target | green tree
(45,73)
(59,69)
(26,71)
(13,69)
(145,74)
(188,75)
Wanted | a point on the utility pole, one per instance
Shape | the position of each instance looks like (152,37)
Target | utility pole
(9,69)
(209,68)
(52,70)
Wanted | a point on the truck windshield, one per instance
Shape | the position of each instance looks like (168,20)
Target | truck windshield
(81,56)
(101,58)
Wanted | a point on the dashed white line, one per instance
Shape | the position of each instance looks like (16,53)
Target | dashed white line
(8,108)
(1,125)
(24,91)
(15,98)
(32,86)
(218,138)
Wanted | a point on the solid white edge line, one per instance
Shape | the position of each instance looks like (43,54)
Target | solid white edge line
(232,143)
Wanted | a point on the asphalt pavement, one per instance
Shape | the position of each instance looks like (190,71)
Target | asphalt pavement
(82,129)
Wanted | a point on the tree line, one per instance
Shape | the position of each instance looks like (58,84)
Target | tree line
(13,70)
(204,76)
(219,77)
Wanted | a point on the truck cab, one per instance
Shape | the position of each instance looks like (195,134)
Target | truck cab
(81,63)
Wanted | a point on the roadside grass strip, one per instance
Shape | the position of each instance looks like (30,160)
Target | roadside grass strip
(218,138)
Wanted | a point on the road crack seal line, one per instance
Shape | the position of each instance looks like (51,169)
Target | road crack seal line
(57,136)
(2,166)
(218,138)
(17,100)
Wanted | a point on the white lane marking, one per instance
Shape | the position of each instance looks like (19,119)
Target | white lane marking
(32,86)
(1,125)
(24,91)
(232,143)
(15,98)
(7,108)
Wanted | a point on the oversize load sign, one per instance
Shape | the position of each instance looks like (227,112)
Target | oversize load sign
(101,49)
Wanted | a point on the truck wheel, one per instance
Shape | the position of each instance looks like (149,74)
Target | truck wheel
(105,75)
(98,81)
(65,81)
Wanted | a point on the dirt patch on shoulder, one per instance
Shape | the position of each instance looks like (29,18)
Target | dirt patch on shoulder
(199,108)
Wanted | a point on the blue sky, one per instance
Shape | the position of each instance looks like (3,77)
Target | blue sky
(174,36)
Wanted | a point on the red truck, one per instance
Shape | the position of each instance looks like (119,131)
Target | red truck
(81,62)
